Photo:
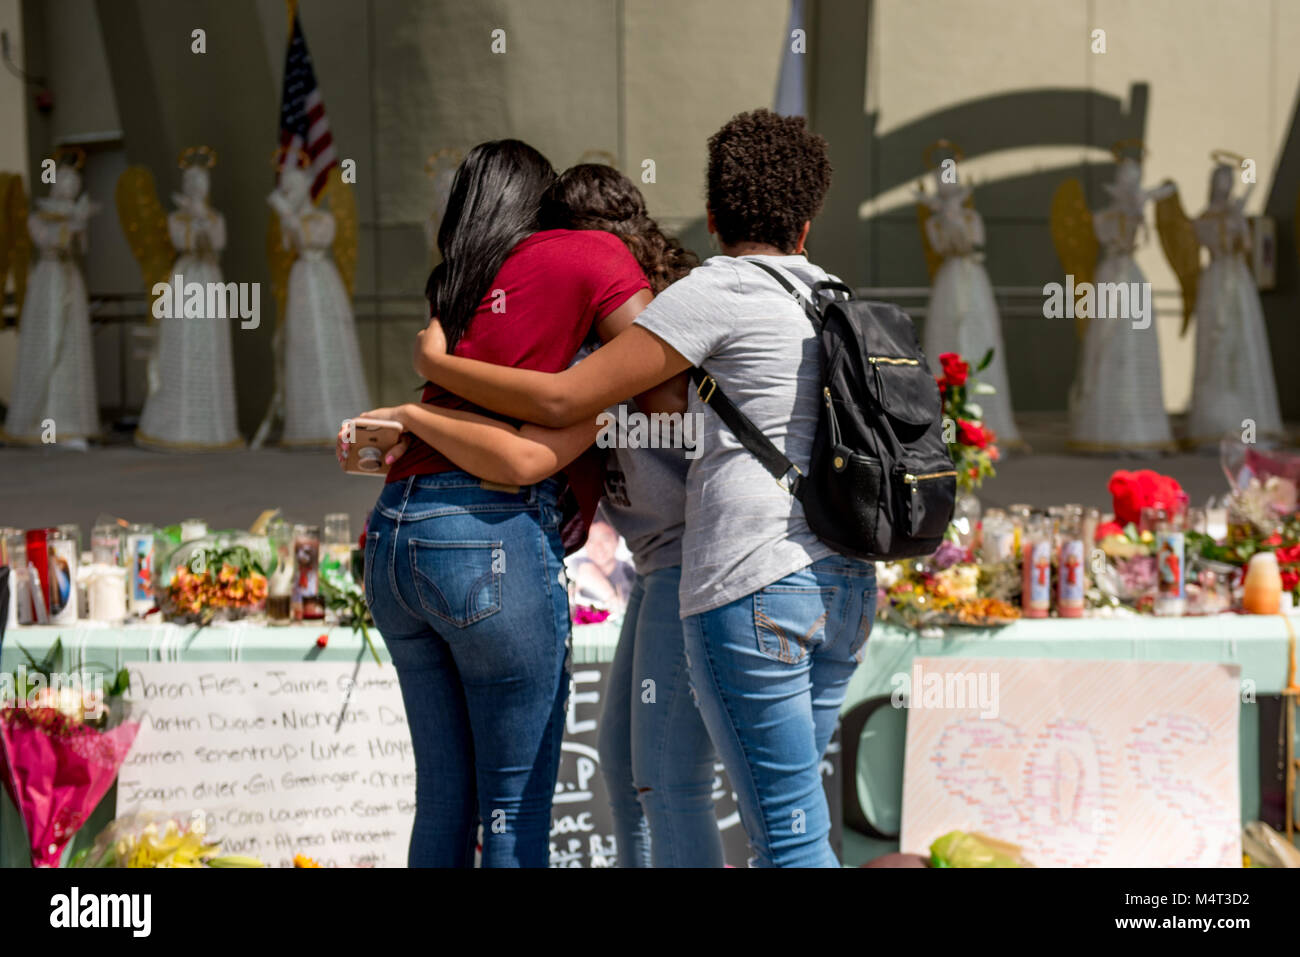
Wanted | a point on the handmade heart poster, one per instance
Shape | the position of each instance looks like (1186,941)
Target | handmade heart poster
(1081,763)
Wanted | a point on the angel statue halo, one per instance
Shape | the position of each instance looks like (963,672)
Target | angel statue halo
(1227,158)
(77,152)
(301,161)
(1118,148)
(941,144)
(191,155)
(598,158)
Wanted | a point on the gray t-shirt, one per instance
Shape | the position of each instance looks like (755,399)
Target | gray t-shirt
(645,499)
(743,530)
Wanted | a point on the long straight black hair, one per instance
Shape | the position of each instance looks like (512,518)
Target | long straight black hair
(494,203)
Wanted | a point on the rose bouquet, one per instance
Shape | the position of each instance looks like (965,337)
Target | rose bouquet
(63,739)
(972,445)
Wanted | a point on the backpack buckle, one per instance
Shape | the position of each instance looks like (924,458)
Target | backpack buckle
(712,383)
(792,487)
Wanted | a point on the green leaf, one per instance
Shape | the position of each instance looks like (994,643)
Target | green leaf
(984,363)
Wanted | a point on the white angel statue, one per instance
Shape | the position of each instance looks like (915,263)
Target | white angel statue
(1116,399)
(962,315)
(1233,385)
(54,398)
(322,381)
(191,400)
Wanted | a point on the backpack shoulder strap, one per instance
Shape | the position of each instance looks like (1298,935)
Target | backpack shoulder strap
(809,307)
(750,436)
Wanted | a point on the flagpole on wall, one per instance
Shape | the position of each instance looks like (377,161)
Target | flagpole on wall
(291,7)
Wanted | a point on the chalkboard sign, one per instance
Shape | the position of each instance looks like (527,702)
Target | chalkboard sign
(582,825)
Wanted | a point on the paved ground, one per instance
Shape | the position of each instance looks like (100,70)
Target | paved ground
(51,486)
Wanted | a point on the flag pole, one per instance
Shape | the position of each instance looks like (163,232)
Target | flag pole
(291,6)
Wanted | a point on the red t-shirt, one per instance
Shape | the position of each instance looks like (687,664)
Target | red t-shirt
(557,284)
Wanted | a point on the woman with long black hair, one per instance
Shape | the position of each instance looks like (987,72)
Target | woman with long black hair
(464,577)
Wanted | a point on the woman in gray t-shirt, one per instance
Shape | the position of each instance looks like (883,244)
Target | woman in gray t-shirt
(774,620)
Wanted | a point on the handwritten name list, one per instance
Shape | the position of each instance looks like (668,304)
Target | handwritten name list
(287,758)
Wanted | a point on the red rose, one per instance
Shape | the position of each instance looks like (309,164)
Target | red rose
(1274,539)
(955,368)
(1133,491)
(1290,580)
(972,433)
(1107,529)
(1288,556)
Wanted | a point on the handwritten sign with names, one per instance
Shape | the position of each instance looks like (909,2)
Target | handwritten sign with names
(287,757)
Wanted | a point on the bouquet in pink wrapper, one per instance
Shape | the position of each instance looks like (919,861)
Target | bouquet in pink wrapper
(63,738)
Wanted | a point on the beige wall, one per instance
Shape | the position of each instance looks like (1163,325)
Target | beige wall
(1217,74)
(1012,81)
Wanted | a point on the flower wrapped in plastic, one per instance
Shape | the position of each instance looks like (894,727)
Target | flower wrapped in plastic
(63,739)
(222,576)
(157,839)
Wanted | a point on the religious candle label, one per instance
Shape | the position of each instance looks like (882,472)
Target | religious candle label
(1070,593)
(1169,562)
(141,551)
(288,758)
(1038,575)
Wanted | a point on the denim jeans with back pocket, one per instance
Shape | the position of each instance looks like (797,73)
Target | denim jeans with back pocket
(770,672)
(465,582)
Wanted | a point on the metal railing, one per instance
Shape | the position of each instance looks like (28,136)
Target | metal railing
(128,310)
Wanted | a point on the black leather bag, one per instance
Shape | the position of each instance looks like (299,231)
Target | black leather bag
(880,484)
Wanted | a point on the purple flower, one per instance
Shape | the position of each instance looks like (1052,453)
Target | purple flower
(948,554)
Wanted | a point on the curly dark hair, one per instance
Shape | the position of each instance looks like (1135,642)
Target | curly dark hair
(767,176)
(595,196)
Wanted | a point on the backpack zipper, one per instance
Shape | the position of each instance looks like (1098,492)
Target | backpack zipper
(911,479)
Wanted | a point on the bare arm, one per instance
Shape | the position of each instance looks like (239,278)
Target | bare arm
(492,450)
(630,364)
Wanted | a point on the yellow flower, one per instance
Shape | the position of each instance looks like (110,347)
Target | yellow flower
(170,848)
(302,860)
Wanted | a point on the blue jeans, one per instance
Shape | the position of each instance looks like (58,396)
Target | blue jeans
(655,753)
(770,671)
(466,585)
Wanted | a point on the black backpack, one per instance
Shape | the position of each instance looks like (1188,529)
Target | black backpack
(881,484)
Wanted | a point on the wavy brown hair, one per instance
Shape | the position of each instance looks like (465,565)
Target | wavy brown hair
(595,196)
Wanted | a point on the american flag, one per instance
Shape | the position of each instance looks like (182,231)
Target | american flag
(303,125)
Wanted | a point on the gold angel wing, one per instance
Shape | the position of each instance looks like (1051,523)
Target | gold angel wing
(145,224)
(932,259)
(280,258)
(1182,250)
(1074,238)
(15,244)
(342,201)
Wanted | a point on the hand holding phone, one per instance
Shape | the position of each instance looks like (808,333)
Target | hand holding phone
(368,442)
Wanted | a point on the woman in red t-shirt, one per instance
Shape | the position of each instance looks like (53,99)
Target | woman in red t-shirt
(464,577)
